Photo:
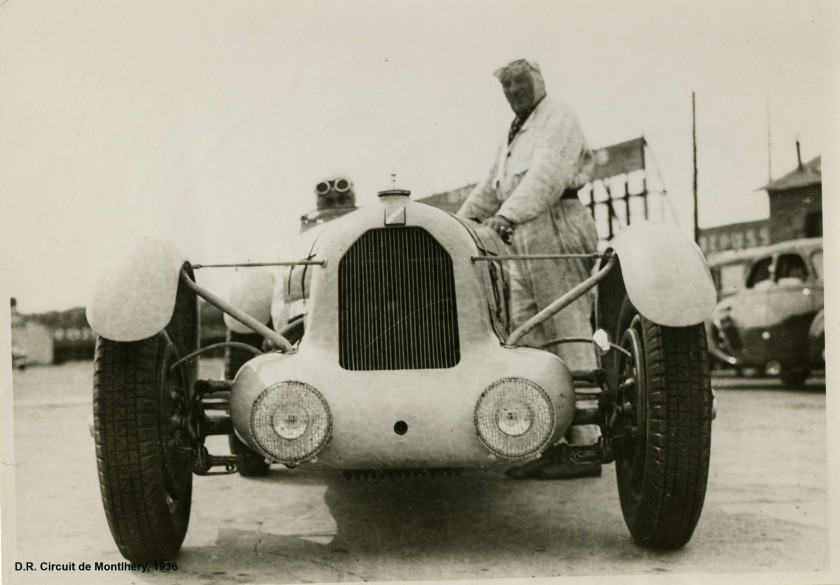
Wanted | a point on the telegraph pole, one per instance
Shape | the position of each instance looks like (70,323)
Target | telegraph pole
(694,152)
(769,147)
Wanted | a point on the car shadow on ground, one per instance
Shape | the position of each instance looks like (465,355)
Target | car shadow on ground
(414,528)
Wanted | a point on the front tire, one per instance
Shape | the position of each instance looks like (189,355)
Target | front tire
(144,460)
(663,439)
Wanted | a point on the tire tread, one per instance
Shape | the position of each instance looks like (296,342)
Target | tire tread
(128,452)
(663,508)
(679,440)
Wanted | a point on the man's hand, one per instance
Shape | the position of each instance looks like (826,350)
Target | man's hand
(501,225)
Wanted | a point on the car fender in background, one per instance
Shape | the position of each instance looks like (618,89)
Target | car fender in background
(251,292)
(134,296)
(665,274)
(816,337)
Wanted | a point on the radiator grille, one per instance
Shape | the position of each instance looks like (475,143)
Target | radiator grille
(397,303)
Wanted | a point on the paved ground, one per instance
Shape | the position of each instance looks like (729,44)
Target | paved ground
(766,510)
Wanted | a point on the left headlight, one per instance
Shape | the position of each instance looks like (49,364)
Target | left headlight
(291,422)
(514,418)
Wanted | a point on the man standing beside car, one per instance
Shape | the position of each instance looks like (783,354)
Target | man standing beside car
(529,197)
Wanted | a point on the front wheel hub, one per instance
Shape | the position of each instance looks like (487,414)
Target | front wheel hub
(176,448)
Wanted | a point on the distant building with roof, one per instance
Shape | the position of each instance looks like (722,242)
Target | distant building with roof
(32,342)
(795,212)
(796,203)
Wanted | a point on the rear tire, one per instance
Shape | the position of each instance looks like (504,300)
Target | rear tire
(145,465)
(249,463)
(663,441)
(235,358)
(794,377)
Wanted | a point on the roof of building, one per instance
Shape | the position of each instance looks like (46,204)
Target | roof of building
(809,174)
(753,223)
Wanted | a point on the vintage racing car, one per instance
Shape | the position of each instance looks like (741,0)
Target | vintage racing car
(399,358)
(773,318)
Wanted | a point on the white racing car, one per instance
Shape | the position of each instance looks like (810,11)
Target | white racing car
(398,358)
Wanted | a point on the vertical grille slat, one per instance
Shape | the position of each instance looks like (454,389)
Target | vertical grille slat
(396,303)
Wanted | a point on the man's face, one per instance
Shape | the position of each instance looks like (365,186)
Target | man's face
(519,91)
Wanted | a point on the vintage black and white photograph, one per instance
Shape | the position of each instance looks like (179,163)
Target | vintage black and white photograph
(329,291)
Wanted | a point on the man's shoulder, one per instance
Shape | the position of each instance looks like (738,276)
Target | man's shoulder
(554,108)
(556,115)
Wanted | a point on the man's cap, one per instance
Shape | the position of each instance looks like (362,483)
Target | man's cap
(517,66)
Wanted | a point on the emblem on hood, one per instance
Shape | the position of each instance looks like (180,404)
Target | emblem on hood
(395,216)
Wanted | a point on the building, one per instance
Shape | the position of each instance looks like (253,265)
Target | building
(32,342)
(735,236)
(795,212)
(796,203)
(71,335)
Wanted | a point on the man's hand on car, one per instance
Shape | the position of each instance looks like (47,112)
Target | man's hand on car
(501,225)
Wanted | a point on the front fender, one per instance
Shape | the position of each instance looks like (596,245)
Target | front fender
(817,329)
(665,274)
(134,297)
(816,338)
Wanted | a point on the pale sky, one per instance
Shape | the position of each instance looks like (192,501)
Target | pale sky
(208,122)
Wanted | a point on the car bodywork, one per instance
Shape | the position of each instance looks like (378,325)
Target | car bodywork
(426,361)
(137,292)
(775,320)
(409,361)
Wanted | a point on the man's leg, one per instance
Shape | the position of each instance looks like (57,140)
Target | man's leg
(574,321)
(557,462)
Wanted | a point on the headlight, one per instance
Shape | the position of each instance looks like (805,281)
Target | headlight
(514,418)
(290,421)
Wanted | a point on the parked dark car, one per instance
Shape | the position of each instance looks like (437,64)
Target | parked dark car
(729,272)
(729,269)
(774,321)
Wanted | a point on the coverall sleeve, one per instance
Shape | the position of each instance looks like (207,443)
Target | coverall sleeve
(482,201)
(555,167)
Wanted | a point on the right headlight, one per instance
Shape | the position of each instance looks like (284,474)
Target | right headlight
(514,418)
(291,422)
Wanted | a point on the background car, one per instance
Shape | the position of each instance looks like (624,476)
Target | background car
(729,270)
(774,319)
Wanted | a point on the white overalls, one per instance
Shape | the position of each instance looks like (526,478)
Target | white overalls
(525,185)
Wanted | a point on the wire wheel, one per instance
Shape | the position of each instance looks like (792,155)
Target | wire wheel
(632,398)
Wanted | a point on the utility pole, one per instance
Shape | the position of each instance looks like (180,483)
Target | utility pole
(694,151)
(769,147)
(798,154)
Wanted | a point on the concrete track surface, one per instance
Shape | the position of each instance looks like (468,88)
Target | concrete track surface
(766,509)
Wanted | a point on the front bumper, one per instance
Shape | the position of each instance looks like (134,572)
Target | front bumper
(404,418)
